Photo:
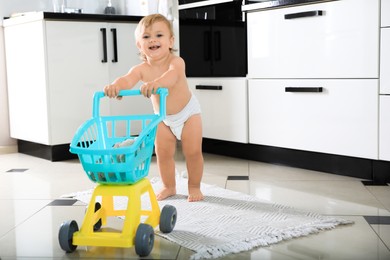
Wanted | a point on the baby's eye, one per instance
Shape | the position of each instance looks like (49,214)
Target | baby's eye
(145,37)
(160,35)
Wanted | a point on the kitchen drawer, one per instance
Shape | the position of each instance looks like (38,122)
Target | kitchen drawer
(385,13)
(384,128)
(342,119)
(337,40)
(385,61)
(224,107)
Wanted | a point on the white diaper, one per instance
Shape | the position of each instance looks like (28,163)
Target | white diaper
(176,121)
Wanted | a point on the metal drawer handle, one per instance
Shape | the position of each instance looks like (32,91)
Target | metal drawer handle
(104,34)
(208,87)
(305,90)
(115,44)
(304,14)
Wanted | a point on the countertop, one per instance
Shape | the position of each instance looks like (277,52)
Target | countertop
(35,16)
(258,6)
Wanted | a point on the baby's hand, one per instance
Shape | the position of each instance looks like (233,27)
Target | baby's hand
(149,88)
(111,91)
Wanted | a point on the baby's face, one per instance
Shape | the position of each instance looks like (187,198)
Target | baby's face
(155,41)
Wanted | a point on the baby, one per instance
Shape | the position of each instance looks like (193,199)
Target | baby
(162,68)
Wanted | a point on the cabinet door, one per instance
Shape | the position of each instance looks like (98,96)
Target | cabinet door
(337,39)
(226,119)
(122,52)
(229,50)
(75,70)
(385,13)
(384,128)
(385,61)
(195,48)
(342,119)
(26,82)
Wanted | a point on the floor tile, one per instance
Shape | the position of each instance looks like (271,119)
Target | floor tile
(225,166)
(217,180)
(17,170)
(15,212)
(382,194)
(238,185)
(383,231)
(237,178)
(62,202)
(377,220)
(324,197)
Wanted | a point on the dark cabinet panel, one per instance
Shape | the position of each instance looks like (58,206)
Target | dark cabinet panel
(194,49)
(229,52)
(213,49)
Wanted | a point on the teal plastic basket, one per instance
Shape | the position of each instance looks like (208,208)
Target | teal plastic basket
(94,143)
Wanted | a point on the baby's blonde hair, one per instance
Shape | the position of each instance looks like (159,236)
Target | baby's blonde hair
(148,21)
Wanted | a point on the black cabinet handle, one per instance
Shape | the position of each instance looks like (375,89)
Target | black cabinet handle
(217,46)
(304,14)
(304,89)
(208,87)
(104,34)
(206,46)
(114,39)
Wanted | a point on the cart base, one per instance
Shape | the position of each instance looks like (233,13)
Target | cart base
(97,214)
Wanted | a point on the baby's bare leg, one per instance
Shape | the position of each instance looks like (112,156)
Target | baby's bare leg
(165,146)
(192,150)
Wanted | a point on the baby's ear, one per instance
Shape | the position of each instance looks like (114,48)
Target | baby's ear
(172,42)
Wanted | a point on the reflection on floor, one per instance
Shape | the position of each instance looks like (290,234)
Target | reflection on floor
(32,210)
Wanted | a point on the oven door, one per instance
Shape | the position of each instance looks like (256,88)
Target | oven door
(213,49)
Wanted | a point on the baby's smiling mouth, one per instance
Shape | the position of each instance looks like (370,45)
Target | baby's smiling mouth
(154,47)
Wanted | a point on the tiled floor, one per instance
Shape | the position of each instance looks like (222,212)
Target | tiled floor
(29,220)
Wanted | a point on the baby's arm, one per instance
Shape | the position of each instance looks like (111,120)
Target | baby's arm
(127,81)
(168,79)
(171,76)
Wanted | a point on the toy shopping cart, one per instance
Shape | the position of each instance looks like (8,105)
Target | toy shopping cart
(119,172)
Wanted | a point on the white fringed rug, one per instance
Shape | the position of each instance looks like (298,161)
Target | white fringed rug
(230,222)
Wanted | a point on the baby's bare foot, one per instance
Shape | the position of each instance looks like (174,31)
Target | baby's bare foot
(194,194)
(165,193)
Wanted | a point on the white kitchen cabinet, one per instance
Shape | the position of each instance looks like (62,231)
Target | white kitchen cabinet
(385,61)
(384,128)
(224,107)
(384,98)
(26,79)
(385,13)
(327,116)
(53,69)
(337,39)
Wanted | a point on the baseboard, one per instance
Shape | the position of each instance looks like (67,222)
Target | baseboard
(8,149)
(48,152)
(377,171)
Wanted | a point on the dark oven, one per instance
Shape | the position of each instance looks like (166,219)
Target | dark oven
(213,40)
